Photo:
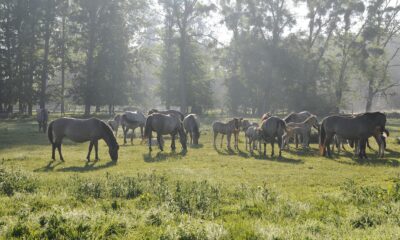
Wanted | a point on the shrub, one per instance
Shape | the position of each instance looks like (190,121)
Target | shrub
(16,181)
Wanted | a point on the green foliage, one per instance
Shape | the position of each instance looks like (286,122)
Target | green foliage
(12,182)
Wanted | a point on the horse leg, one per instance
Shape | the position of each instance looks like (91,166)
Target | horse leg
(90,151)
(59,151)
(141,131)
(265,149)
(159,141)
(327,143)
(296,140)
(215,138)
(228,139)
(133,133)
(53,151)
(125,130)
(149,142)
(280,144)
(96,150)
(272,146)
(173,142)
(222,139)
(191,137)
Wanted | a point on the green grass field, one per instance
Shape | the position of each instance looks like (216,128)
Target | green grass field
(204,194)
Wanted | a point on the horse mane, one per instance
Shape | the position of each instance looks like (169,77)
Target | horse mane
(110,135)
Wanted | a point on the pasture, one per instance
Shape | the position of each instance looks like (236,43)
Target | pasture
(203,194)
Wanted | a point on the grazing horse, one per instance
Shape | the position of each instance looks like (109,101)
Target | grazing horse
(114,123)
(229,128)
(272,128)
(253,135)
(132,120)
(358,129)
(305,127)
(164,124)
(174,113)
(42,117)
(191,124)
(82,130)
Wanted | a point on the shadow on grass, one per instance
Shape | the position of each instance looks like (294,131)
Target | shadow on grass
(89,166)
(49,167)
(282,159)
(196,146)
(162,156)
(390,159)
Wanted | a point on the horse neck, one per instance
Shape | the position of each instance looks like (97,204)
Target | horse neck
(108,139)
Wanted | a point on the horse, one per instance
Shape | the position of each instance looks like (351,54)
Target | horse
(42,117)
(358,128)
(191,124)
(290,133)
(265,116)
(174,113)
(245,124)
(82,130)
(253,135)
(229,128)
(305,127)
(114,123)
(298,118)
(132,120)
(272,128)
(164,124)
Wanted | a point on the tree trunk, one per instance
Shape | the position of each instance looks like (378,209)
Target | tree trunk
(90,56)
(63,64)
(45,72)
(32,62)
(182,63)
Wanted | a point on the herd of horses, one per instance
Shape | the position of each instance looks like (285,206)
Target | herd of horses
(339,129)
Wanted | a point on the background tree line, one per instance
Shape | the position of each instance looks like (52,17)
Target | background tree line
(98,53)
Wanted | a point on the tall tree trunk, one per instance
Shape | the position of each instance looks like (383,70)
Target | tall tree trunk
(182,65)
(32,62)
(90,58)
(63,63)
(45,72)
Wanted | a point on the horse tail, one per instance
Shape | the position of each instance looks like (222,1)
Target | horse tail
(322,136)
(282,124)
(386,131)
(147,127)
(50,133)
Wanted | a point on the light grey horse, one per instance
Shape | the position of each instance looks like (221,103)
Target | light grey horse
(174,113)
(82,130)
(192,126)
(114,123)
(305,127)
(132,120)
(163,125)
(298,118)
(253,136)
(42,117)
(229,128)
(272,128)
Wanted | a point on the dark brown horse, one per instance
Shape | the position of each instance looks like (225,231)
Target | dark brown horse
(82,130)
(272,128)
(358,128)
(192,126)
(163,125)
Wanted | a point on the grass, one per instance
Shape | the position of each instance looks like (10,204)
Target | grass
(203,194)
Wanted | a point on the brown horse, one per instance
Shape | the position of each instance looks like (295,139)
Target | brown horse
(82,130)
(164,124)
(132,120)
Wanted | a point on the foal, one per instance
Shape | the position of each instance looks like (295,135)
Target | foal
(229,128)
